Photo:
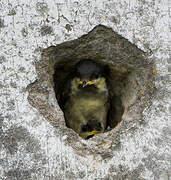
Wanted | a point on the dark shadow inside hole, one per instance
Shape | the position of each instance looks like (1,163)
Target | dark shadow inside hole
(64,71)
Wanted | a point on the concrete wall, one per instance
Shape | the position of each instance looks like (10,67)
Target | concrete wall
(30,148)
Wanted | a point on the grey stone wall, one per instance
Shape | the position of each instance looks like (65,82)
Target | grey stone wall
(30,147)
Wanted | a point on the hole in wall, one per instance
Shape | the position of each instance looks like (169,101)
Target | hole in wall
(115,81)
(130,78)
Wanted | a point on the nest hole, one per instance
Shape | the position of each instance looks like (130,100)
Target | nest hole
(117,81)
(130,77)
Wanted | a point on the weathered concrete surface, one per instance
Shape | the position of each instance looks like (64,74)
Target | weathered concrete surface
(130,77)
(30,148)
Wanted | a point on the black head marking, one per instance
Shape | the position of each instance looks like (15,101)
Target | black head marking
(92,125)
(89,69)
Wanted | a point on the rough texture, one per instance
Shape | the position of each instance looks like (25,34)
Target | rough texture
(130,75)
(30,147)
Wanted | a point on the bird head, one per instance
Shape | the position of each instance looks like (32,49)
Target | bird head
(91,128)
(89,72)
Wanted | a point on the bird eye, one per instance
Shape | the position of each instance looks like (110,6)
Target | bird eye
(77,74)
(98,127)
(84,128)
(96,76)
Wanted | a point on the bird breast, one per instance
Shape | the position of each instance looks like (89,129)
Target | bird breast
(88,101)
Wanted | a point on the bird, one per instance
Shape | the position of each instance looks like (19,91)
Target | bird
(85,98)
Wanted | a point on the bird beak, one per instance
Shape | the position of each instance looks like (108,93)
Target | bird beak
(93,132)
(85,83)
